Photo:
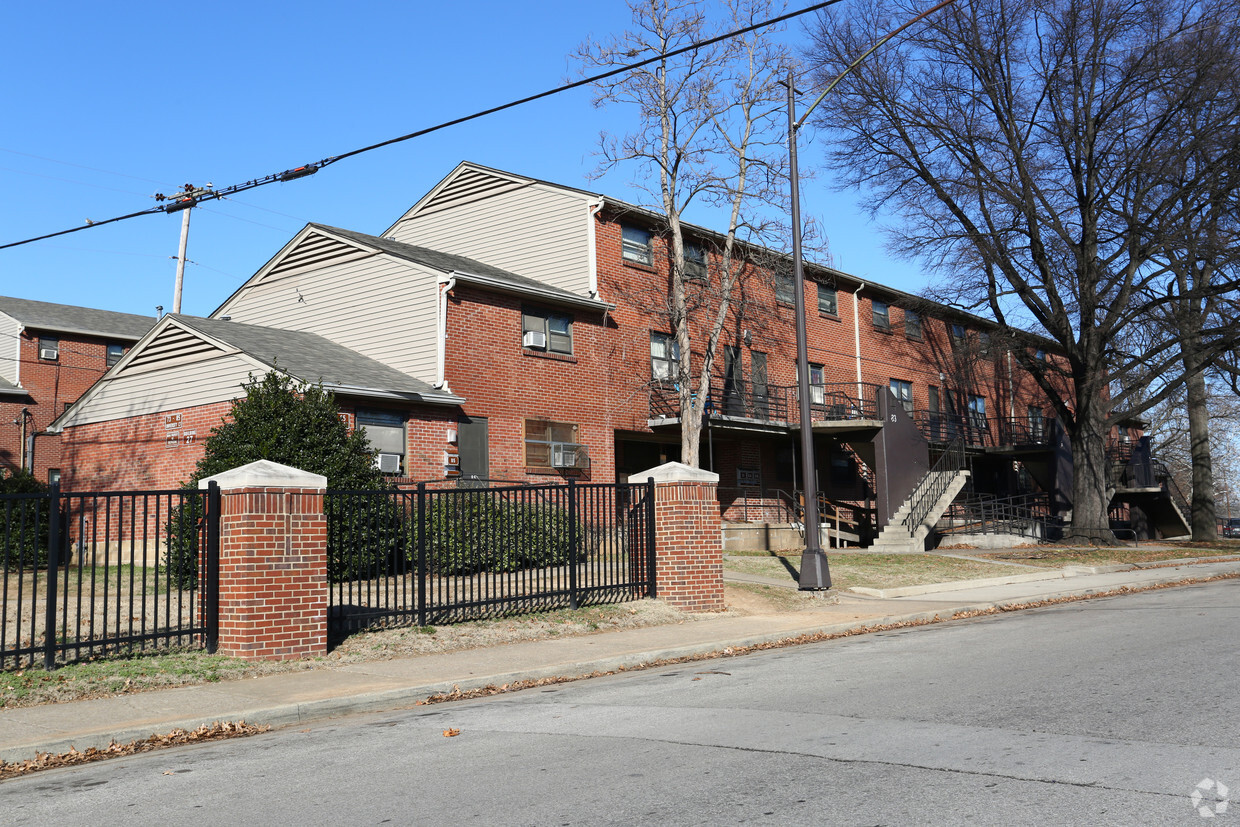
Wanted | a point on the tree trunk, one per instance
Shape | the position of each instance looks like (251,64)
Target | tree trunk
(1091,481)
(1204,523)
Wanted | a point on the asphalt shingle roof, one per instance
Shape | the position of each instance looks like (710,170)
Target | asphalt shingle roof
(309,357)
(449,263)
(71,319)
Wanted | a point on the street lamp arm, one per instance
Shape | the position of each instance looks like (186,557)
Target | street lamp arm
(878,45)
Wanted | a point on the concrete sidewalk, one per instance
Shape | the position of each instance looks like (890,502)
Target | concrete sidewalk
(301,697)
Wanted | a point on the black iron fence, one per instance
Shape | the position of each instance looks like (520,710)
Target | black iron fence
(102,573)
(435,555)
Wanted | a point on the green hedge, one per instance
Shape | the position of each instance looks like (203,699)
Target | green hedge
(24,523)
(469,532)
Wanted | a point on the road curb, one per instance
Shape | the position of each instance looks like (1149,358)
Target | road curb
(281,715)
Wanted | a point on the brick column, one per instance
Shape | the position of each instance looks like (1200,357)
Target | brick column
(688,536)
(273,562)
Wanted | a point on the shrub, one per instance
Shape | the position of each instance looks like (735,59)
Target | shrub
(281,420)
(24,522)
(477,531)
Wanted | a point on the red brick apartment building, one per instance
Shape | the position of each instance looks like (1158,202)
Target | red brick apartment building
(50,354)
(509,328)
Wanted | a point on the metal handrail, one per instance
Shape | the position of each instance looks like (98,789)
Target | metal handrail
(935,483)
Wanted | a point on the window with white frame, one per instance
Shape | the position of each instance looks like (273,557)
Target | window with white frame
(828,300)
(903,392)
(817,388)
(556,331)
(664,356)
(636,244)
(541,436)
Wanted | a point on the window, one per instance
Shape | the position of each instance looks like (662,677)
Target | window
(1040,355)
(828,300)
(664,356)
(53,476)
(49,348)
(977,411)
(539,436)
(385,431)
(636,244)
(1037,424)
(784,288)
(903,392)
(556,330)
(881,313)
(695,262)
(115,352)
(959,335)
(983,344)
(912,325)
(817,387)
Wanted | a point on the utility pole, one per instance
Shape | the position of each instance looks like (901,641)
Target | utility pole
(183,202)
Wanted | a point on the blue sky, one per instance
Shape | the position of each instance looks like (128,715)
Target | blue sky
(107,104)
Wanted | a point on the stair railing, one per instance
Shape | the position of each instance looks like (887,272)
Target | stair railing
(934,484)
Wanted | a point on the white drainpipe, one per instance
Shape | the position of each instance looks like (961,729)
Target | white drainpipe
(441,343)
(857,336)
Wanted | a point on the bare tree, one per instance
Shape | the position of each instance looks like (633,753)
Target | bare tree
(1021,142)
(707,133)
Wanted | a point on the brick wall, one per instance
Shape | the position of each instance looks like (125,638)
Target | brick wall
(688,546)
(508,384)
(52,385)
(273,573)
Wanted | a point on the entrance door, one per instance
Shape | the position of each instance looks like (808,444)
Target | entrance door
(761,408)
(472,443)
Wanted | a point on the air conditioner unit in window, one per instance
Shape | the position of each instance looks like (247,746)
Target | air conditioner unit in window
(49,352)
(388,463)
(534,338)
(569,455)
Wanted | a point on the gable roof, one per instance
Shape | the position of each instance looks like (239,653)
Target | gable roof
(66,318)
(468,270)
(463,269)
(314,360)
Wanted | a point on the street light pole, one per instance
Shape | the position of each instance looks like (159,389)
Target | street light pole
(815,572)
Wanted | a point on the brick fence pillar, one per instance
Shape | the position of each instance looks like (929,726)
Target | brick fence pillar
(273,562)
(688,536)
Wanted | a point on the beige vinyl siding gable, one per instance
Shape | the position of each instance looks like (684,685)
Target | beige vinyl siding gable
(532,230)
(214,376)
(376,305)
(10,347)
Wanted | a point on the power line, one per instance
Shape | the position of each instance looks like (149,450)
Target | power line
(184,201)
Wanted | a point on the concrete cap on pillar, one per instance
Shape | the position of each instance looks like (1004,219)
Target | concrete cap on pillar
(266,474)
(675,472)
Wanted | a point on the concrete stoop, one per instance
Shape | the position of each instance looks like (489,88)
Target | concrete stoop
(895,538)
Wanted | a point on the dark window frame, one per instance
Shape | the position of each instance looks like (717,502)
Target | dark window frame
(672,359)
(880,315)
(539,320)
(539,436)
(912,326)
(832,303)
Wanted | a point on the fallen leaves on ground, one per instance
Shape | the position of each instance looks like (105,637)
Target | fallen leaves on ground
(207,732)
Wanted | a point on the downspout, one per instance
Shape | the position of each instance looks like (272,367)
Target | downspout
(1011,390)
(592,210)
(441,339)
(857,335)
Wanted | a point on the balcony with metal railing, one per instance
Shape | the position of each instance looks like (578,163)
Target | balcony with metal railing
(743,403)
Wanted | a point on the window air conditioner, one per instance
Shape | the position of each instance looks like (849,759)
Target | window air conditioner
(569,455)
(534,338)
(51,352)
(388,463)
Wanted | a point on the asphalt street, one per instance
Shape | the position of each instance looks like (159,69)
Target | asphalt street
(1108,711)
